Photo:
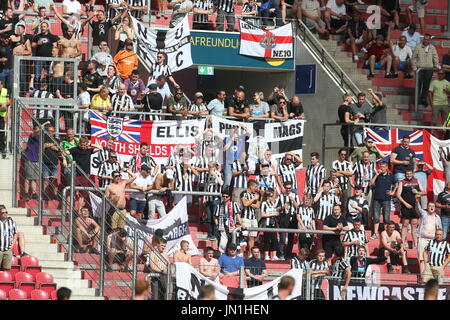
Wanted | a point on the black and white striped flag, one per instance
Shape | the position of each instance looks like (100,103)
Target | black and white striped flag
(284,137)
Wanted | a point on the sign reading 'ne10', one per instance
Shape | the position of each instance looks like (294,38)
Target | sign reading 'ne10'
(222,49)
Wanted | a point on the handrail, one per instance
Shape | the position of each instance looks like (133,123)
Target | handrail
(334,69)
(416,114)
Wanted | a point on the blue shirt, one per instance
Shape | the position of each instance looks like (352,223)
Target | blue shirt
(229,264)
(383,183)
(403,155)
(236,148)
(412,41)
(216,108)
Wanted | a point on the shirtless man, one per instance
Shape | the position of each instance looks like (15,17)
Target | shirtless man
(163,182)
(69,46)
(86,231)
(182,255)
(391,241)
(57,67)
(116,193)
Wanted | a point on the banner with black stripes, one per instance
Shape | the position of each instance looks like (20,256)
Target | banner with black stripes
(283,137)
(175,42)
(189,281)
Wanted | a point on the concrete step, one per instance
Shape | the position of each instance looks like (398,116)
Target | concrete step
(48,247)
(86,298)
(72,283)
(56,264)
(49,255)
(30,229)
(17,211)
(23,220)
(67,273)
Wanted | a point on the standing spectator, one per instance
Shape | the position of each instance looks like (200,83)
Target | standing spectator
(63,293)
(101,101)
(71,7)
(121,101)
(362,111)
(443,203)
(359,263)
(112,80)
(234,146)
(239,171)
(430,222)
(288,204)
(266,179)
(135,86)
(419,8)
(402,158)
(230,263)
(104,59)
(357,33)
(391,241)
(114,8)
(315,175)
(143,158)
(412,37)
(4,104)
(319,268)
(202,9)
(143,183)
(161,68)
(103,154)
(178,104)
(100,30)
(42,45)
(363,171)
(209,266)
(286,171)
(295,109)
(182,255)
(6,61)
(255,268)
(250,202)
(299,262)
(216,106)
(31,157)
(305,218)
(9,236)
(68,143)
(446,65)
(249,13)
(124,32)
(408,190)
(345,118)
(152,102)
(50,167)
(83,102)
(353,239)
(312,17)
(126,60)
(92,78)
(225,10)
(425,56)
(141,290)
(279,111)
(336,16)
(259,109)
(277,94)
(444,157)
(341,270)
(334,222)
(421,174)
(379,109)
(9,21)
(379,58)
(214,183)
(438,96)
(137,8)
(156,264)
(369,146)
(180,9)
(402,58)
(357,208)
(436,257)
(87,232)
(384,187)
(163,182)
(107,167)
(45,113)
(237,106)
(269,217)
(198,108)
(226,217)
(42,13)
(344,173)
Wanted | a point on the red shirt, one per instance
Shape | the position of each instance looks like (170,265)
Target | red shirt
(376,51)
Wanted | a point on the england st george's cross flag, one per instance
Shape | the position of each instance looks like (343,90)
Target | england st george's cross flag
(277,43)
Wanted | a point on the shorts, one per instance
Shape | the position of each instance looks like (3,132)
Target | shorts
(403,65)
(87,239)
(32,170)
(409,213)
(117,221)
(337,23)
(311,24)
(50,171)
(390,6)
(6,259)
(431,272)
(330,247)
(250,223)
(421,245)
(419,8)
(137,205)
(359,40)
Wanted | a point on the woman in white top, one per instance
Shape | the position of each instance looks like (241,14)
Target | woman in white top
(269,217)
(124,31)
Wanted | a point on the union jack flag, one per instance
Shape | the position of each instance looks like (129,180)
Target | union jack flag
(387,140)
(126,130)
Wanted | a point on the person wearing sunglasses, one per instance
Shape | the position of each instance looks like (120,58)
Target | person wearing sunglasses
(438,94)
(343,172)
(226,218)
(279,111)
(178,104)
(106,168)
(369,146)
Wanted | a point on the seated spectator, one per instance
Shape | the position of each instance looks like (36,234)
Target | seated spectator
(209,266)
(335,222)
(198,108)
(202,9)
(9,236)
(360,262)
(279,111)
(230,264)
(163,182)
(103,58)
(63,293)
(180,9)
(101,101)
(336,16)
(121,101)
(419,8)
(119,249)
(391,10)
(178,104)
(255,268)
(270,9)
(124,32)
(290,9)
(156,265)
(413,38)
(126,60)
(87,232)
(143,183)
(249,13)
(312,17)
(378,57)
(182,255)
(402,58)
(357,34)
(391,241)
(379,109)
(436,257)
(295,109)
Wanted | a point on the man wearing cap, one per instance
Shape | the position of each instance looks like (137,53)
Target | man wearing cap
(126,60)
(152,102)
(198,108)
(163,182)
(178,104)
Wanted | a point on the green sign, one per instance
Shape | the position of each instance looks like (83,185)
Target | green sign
(206,70)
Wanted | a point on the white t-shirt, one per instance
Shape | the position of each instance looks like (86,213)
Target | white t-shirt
(403,54)
(72,6)
(140,181)
(335,8)
(165,92)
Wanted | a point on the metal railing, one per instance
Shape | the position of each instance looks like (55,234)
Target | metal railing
(416,115)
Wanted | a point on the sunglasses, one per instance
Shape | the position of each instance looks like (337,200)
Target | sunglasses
(225,196)
(343,154)
(116,176)
(369,142)
(4,212)
(282,102)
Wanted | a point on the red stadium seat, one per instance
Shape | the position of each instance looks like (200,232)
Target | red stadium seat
(15,260)
(3,295)
(17,294)
(33,270)
(39,295)
(14,270)
(15,249)
(25,282)
(5,276)
(44,281)
(27,261)
(53,295)
(6,281)
(24,277)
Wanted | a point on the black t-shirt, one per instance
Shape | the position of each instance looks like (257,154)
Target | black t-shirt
(238,106)
(256,267)
(403,155)
(379,114)
(45,49)
(6,23)
(297,111)
(50,156)
(6,52)
(83,159)
(100,31)
(444,198)
(152,101)
(357,31)
(343,108)
(92,80)
(66,90)
(332,222)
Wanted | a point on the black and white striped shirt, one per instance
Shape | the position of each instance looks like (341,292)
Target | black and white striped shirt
(103,155)
(314,174)
(351,236)
(196,108)
(121,102)
(287,173)
(254,21)
(161,69)
(269,207)
(112,12)
(212,185)
(202,5)
(44,111)
(338,269)
(438,251)
(296,263)
(223,214)
(316,266)
(137,3)
(266,182)
(201,163)
(364,173)
(286,198)
(307,216)
(240,181)
(342,166)
(248,212)
(7,232)
(226,5)
(113,84)
(361,202)
(137,161)
(326,203)
(106,169)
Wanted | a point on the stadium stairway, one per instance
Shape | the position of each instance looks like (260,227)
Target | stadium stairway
(398,93)
(38,244)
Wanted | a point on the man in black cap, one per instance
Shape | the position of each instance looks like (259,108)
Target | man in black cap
(178,104)
(152,102)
